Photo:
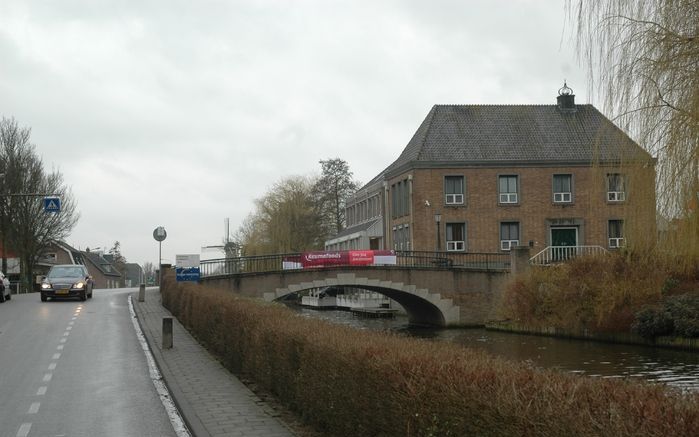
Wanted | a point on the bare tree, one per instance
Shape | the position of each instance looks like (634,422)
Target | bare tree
(148,271)
(643,58)
(26,227)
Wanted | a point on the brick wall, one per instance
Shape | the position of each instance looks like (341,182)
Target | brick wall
(535,211)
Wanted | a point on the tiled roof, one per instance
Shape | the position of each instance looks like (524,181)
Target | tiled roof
(516,135)
(102,264)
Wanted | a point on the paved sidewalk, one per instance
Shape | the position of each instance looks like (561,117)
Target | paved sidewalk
(211,400)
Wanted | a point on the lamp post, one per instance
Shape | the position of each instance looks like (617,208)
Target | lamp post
(438,220)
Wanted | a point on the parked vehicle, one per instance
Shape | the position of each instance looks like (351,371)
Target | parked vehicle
(68,280)
(5,293)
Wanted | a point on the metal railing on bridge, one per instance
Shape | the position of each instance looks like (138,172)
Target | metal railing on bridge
(413,259)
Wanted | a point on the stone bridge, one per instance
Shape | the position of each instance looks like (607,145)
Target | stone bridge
(430,296)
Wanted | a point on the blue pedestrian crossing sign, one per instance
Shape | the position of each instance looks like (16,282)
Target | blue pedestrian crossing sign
(52,204)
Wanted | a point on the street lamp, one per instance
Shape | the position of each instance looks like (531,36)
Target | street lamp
(438,219)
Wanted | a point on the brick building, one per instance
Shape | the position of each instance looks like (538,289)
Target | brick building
(485,178)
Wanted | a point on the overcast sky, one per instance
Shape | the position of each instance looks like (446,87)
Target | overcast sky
(180,113)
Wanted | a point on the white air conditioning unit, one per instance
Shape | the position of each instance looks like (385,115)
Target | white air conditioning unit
(616,243)
(455,199)
(508,197)
(616,196)
(562,197)
(508,244)
(455,246)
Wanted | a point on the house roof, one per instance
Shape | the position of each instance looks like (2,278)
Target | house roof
(516,135)
(104,266)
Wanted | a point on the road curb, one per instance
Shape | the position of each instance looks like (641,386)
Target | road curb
(187,412)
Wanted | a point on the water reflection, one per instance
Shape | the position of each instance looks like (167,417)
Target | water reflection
(673,367)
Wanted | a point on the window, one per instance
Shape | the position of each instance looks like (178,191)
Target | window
(456,237)
(401,237)
(562,188)
(509,235)
(454,190)
(616,234)
(400,198)
(508,189)
(616,187)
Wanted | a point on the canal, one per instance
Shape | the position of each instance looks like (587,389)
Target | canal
(672,367)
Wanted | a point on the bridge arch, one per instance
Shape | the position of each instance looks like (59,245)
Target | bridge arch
(422,307)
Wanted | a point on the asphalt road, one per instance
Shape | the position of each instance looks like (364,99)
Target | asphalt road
(71,368)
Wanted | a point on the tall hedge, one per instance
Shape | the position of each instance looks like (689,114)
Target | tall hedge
(351,382)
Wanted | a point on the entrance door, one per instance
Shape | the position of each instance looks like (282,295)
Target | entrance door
(564,236)
(564,242)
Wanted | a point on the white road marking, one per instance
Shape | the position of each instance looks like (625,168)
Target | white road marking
(73,318)
(42,390)
(24,430)
(63,340)
(47,377)
(60,347)
(66,334)
(71,323)
(52,366)
(56,356)
(165,397)
(34,408)
(69,328)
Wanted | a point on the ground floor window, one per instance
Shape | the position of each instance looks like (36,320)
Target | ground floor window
(456,236)
(509,235)
(616,234)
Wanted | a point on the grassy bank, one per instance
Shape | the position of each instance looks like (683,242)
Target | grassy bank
(615,294)
(348,382)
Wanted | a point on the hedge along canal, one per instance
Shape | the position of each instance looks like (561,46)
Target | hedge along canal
(674,367)
(349,382)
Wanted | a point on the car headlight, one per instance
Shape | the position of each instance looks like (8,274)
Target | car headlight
(45,285)
(78,285)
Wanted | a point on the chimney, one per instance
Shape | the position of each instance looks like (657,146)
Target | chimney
(566,99)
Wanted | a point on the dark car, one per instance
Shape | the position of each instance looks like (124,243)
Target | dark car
(69,280)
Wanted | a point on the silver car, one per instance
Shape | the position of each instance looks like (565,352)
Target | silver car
(4,288)
(67,280)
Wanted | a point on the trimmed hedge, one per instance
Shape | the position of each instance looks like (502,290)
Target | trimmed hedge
(349,382)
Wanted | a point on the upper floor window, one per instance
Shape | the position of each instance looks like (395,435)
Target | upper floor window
(562,188)
(456,236)
(616,187)
(616,234)
(454,190)
(507,188)
(509,235)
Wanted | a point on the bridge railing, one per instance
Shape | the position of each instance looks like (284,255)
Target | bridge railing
(412,259)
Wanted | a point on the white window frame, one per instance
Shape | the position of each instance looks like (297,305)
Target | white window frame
(508,244)
(562,197)
(615,243)
(616,196)
(456,246)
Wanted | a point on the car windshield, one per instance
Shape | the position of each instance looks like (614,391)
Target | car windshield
(65,272)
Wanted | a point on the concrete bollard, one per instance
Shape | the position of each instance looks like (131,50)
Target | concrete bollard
(167,332)
(142,293)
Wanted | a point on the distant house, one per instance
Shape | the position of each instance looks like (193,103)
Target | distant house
(486,178)
(104,274)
